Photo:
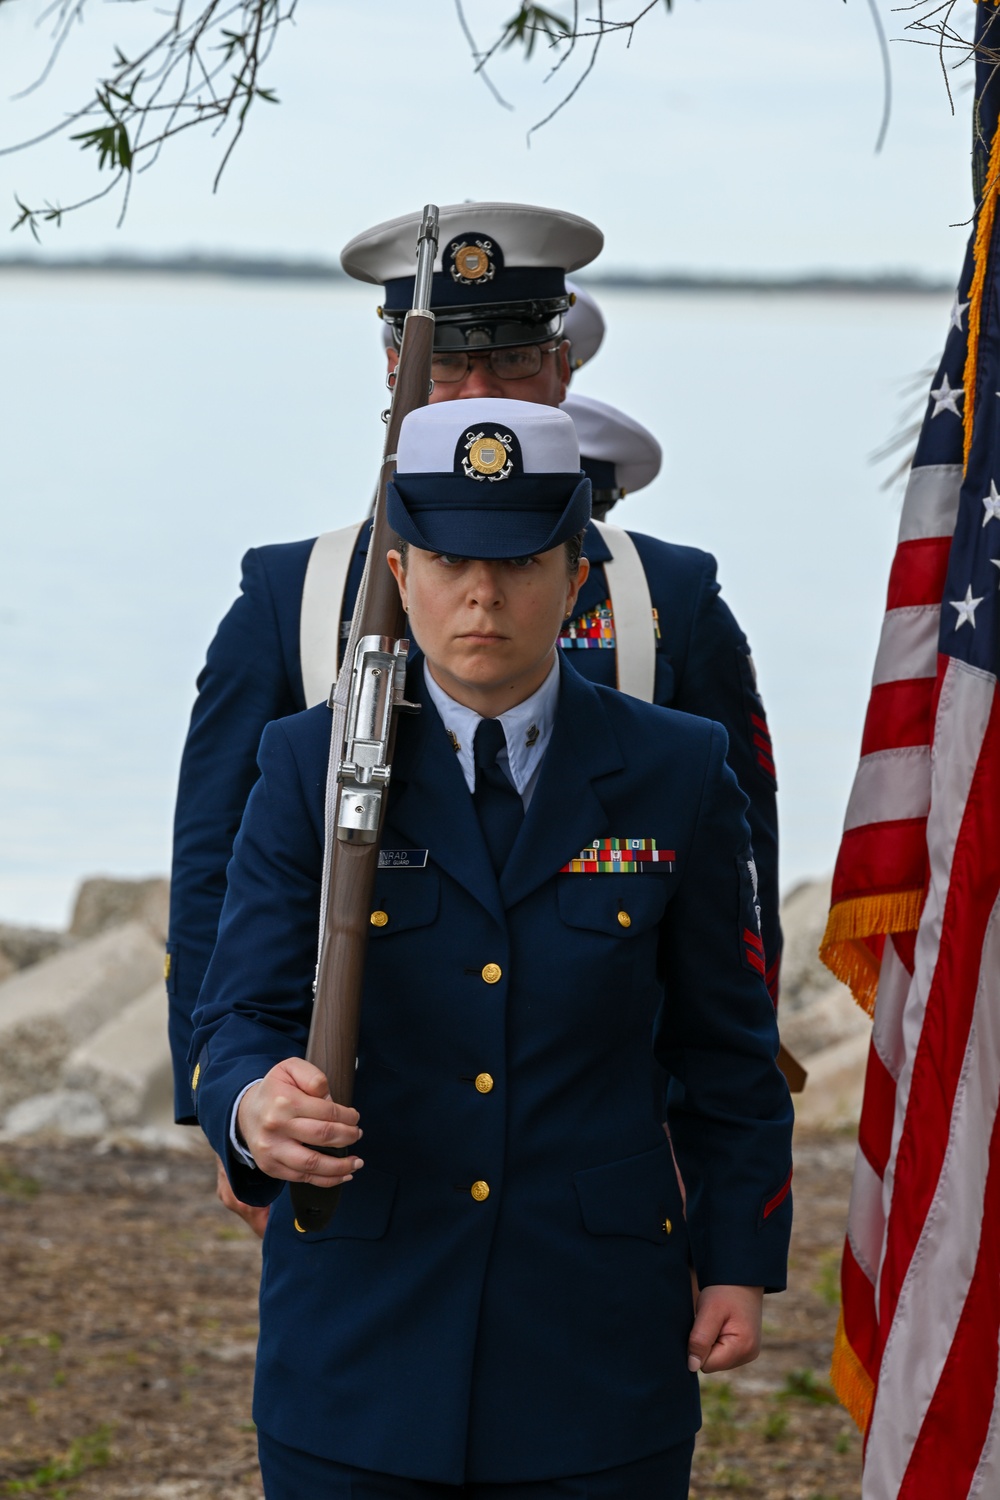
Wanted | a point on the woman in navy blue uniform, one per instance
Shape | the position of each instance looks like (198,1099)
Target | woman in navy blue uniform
(254,669)
(502,1304)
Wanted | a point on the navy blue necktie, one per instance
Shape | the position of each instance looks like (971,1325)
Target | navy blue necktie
(498,803)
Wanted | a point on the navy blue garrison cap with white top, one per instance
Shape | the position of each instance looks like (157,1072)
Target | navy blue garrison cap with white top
(488,478)
(500,274)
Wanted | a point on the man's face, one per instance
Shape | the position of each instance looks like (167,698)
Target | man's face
(487,629)
(547,388)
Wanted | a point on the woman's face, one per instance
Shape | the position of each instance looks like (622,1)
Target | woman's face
(488,629)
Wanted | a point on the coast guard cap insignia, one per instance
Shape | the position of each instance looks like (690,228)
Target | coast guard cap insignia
(488,457)
(472,262)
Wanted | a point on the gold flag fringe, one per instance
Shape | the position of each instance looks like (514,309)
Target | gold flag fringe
(843,948)
(851,1380)
(984,234)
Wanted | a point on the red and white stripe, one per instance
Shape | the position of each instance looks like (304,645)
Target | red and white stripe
(921,1272)
(938,1284)
(883,846)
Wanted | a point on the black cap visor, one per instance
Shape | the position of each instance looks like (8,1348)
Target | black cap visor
(501,325)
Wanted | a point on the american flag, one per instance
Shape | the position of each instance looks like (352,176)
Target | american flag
(914,928)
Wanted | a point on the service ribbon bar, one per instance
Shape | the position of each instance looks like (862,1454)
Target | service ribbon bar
(594,630)
(620,857)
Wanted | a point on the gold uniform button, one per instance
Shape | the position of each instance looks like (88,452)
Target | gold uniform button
(195,1076)
(480,1191)
(484,1082)
(298,1226)
(491,973)
(668,1228)
(379,918)
(625,919)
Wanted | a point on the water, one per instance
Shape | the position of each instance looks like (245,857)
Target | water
(154,428)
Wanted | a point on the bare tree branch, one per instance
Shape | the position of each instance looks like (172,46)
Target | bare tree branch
(477,58)
(199,70)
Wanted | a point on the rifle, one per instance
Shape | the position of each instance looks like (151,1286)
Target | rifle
(365,702)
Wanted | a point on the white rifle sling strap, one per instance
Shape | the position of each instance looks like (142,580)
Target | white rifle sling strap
(323,610)
(632,610)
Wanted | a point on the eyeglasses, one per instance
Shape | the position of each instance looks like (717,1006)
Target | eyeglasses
(517,363)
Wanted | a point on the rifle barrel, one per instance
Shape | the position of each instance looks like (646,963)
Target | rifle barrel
(349,865)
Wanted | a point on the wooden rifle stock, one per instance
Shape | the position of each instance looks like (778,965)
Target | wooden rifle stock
(349,875)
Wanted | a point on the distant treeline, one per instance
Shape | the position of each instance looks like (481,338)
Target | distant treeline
(892,283)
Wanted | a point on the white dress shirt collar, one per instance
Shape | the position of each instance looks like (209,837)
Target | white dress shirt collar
(527,729)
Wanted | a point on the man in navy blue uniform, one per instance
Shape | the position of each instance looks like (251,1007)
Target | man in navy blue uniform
(500,300)
(501,1306)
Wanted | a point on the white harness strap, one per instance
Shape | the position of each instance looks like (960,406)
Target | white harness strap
(323,608)
(632,609)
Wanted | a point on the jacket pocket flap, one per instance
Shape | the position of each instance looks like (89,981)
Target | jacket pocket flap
(638,1196)
(362,1213)
(600,902)
(404,899)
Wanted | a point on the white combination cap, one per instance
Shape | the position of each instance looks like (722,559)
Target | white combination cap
(617,452)
(526,237)
(487,478)
(500,273)
(432,439)
(583,325)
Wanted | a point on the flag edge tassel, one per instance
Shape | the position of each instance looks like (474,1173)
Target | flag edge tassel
(854,1387)
(843,948)
(984,233)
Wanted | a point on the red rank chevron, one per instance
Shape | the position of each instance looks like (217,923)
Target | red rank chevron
(754,950)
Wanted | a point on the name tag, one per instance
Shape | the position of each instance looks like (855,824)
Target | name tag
(402,859)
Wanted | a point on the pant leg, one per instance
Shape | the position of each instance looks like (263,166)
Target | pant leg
(290,1474)
(663,1476)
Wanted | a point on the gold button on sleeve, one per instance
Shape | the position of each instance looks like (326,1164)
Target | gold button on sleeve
(491,973)
(167,965)
(379,918)
(668,1228)
(484,1082)
(195,1076)
(625,919)
(480,1191)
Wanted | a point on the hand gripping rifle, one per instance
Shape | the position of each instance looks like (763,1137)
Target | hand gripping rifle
(364,703)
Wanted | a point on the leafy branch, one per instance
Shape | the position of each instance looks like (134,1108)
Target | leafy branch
(200,70)
(561,34)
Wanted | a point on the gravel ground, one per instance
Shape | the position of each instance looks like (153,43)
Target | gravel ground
(128,1325)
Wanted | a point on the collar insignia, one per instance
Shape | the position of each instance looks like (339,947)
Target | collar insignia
(488,457)
(453,737)
(472,262)
(531,738)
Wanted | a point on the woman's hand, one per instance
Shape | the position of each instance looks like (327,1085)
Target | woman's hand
(289,1114)
(726,1330)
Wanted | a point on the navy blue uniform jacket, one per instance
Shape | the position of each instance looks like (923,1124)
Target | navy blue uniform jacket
(253,675)
(541,1331)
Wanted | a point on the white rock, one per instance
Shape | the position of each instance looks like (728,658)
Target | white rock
(832,1096)
(832,1017)
(803,919)
(126,1062)
(103,902)
(47,1010)
(61,1112)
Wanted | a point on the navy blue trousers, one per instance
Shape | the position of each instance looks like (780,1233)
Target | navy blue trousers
(290,1474)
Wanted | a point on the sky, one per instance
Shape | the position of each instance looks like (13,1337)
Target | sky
(732,136)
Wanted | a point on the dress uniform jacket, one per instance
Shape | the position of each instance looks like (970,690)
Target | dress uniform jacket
(253,675)
(503,1293)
